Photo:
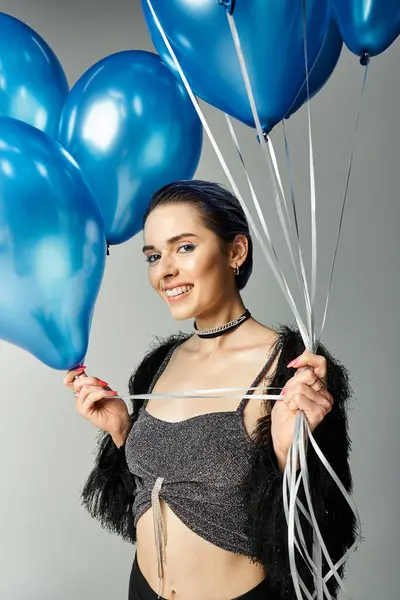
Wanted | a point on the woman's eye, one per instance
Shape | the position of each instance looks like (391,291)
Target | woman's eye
(149,258)
(190,246)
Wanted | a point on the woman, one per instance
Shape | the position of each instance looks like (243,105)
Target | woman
(206,474)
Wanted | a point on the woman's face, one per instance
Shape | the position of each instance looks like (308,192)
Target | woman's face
(187,266)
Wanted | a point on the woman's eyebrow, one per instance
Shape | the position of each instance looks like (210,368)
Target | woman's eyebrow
(171,241)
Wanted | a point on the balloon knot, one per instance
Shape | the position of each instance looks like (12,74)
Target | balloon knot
(265,136)
(364,60)
(229,5)
(108,249)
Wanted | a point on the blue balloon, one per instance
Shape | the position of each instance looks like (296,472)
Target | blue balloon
(52,247)
(367,26)
(132,128)
(33,85)
(271,36)
(322,68)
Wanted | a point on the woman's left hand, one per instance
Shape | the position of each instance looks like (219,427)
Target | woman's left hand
(306,391)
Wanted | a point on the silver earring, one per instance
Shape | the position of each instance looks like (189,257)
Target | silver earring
(236,269)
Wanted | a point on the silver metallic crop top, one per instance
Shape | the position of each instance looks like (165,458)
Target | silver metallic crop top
(196,466)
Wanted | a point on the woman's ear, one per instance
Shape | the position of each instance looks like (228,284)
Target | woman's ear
(239,249)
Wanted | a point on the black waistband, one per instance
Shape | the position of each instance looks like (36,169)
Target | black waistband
(139,588)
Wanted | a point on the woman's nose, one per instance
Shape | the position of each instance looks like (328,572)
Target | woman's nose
(167,267)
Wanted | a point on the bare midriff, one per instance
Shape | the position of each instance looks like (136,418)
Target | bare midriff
(194,568)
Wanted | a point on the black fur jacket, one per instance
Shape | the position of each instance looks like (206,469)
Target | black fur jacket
(109,490)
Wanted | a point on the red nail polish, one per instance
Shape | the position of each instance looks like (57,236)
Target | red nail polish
(102,383)
(81,368)
(283,392)
(112,393)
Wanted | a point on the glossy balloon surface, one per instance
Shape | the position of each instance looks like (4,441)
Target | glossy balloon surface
(132,128)
(272,40)
(33,85)
(52,247)
(368,25)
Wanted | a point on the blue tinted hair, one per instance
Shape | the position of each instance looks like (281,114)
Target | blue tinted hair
(220,210)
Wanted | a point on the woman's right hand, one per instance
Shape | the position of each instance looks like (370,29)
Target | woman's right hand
(110,414)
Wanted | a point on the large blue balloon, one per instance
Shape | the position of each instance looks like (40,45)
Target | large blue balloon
(368,26)
(132,128)
(52,247)
(33,85)
(322,68)
(271,35)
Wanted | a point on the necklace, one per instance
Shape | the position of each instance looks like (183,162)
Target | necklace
(221,329)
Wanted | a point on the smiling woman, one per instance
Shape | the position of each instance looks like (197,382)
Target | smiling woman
(206,475)
(214,257)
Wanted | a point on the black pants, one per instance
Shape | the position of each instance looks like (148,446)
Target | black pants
(139,589)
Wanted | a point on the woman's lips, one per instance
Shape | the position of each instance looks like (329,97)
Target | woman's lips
(178,297)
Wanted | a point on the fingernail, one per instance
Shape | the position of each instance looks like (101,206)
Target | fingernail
(101,382)
(283,392)
(112,393)
(293,363)
(80,368)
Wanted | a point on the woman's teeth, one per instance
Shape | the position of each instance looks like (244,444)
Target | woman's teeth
(179,290)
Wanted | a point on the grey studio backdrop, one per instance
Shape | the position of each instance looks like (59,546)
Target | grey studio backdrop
(50,549)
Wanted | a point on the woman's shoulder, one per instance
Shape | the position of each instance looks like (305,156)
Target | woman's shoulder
(156,352)
(286,337)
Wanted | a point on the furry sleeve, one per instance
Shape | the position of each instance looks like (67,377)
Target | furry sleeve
(263,484)
(109,491)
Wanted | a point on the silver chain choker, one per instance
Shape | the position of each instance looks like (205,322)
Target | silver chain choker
(216,331)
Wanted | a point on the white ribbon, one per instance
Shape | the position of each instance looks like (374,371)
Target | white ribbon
(208,393)
(344,198)
(296,225)
(303,284)
(312,188)
(269,152)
